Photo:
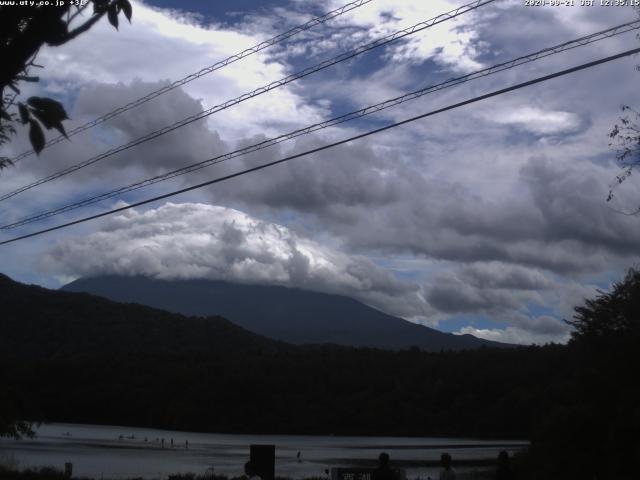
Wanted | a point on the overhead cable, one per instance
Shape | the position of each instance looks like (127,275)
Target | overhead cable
(331,145)
(205,71)
(259,91)
(585,40)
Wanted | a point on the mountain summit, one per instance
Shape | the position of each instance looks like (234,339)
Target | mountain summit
(288,314)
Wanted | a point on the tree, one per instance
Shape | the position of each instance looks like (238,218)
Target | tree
(23,31)
(9,427)
(611,315)
(595,434)
(589,427)
(625,138)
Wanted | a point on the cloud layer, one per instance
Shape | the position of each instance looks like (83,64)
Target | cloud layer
(187,240)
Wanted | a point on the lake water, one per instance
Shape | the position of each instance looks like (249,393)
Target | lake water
(119,452)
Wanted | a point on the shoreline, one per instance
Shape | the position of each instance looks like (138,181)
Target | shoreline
(101,452)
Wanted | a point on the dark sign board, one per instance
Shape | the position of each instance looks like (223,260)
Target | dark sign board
(263,459)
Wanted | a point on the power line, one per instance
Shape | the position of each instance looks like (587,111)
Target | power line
(205,71)
(259,91)
(331,145)
(585,40)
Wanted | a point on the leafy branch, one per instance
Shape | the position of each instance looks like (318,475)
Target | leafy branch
(23,31)
(625,139)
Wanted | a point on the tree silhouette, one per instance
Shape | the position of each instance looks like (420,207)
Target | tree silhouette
(625,139)
(612,314)
(23,31)
(591,431)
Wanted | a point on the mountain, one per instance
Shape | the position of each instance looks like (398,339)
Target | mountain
(75,357)
(287,314)
(44,323)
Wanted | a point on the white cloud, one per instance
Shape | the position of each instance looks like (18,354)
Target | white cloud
(452,44)
(538,121)
(514,335)
(190,240)
(204,241)
(167,45)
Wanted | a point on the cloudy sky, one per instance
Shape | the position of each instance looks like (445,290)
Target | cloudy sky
(488,219)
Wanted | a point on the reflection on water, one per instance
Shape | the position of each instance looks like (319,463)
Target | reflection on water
(120,452)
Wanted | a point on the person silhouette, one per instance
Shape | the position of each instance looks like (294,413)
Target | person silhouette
(503,470)
(447,472)
(384,471)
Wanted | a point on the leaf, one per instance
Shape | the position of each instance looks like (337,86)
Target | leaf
(614,132)
(61,129)
(50,105)
(5,162)
(112,15)
(50,112)
(49,121)
(125,5)
(5,116)
(36,137)
(24,113)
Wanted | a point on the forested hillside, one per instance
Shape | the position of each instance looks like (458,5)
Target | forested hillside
(77,358)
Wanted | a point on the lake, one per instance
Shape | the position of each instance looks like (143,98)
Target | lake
(101,451)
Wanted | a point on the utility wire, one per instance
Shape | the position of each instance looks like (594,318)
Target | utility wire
(331,145)
(205,71)
(259,91)
(594,37)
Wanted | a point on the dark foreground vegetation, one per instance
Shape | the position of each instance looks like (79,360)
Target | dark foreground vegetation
(32,474)
(54,474)
(77,358)
(48,473)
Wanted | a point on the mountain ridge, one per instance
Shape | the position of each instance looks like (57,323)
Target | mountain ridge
(76,357)
(53,322)
(287,314)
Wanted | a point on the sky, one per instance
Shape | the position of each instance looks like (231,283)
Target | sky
(489,219)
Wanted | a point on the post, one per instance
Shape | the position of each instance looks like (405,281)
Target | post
(263,459)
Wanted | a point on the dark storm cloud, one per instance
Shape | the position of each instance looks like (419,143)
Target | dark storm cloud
(492,288)
(558,221)
(351,176)
(375,201)
(184,146)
